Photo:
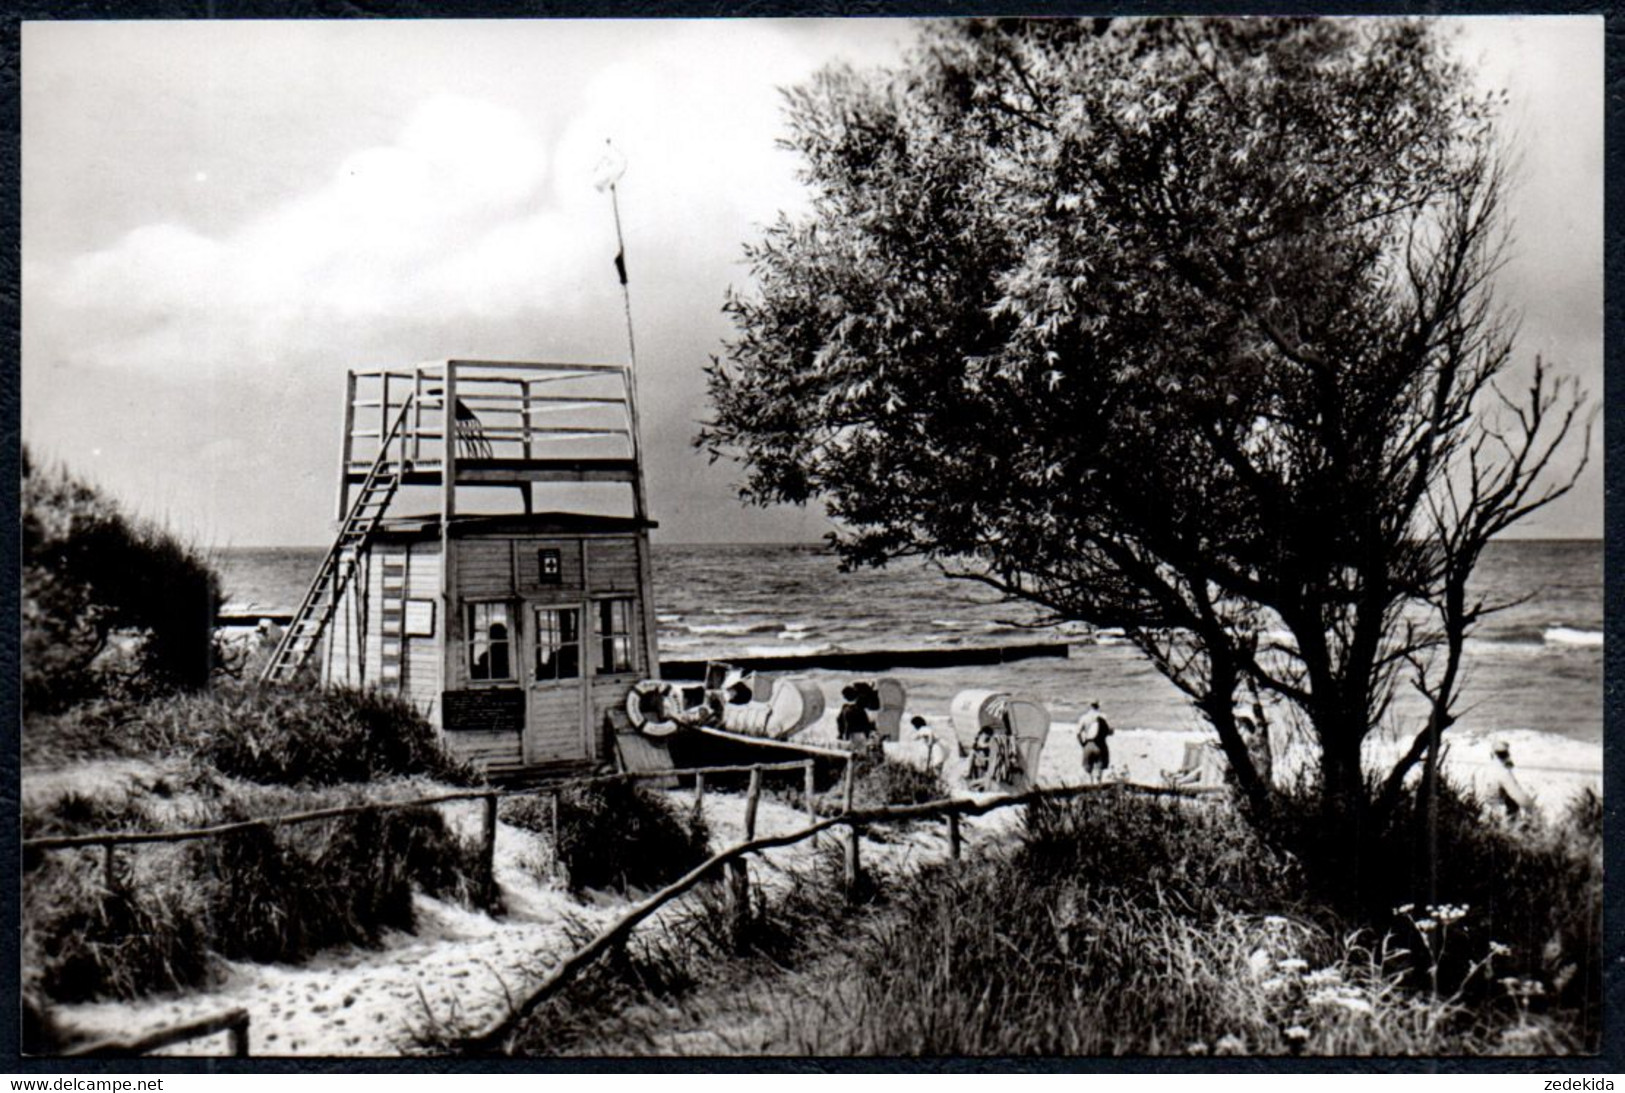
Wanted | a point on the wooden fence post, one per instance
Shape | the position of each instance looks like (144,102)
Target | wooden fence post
(108,865)
(752,799)
(488,849)
(699,791)
(953,835)
(553,828)
(239,1037)
(738,870)
(808,791)
(853,867)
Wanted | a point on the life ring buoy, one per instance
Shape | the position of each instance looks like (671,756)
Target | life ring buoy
(649,707)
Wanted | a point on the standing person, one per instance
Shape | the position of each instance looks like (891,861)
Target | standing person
(852,724)
(1519,806)
(1092,733)
(1256,736)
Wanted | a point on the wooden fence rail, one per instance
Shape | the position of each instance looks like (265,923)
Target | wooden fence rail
(497,1036)
(232,1021)
(122,838)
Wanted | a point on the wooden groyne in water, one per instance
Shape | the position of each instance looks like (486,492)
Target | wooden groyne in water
(874,660)
(841,660)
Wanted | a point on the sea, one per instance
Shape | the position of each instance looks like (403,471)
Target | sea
(1534,669)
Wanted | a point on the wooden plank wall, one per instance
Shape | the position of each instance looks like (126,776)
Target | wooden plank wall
(554,731)
(612,565)
(494,751)
(420,681)
(341,659)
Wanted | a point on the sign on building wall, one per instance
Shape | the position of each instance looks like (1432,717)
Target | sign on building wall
(420,618)
(488,709)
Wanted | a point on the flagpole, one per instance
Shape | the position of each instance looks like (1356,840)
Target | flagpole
(626,290)
(640,502)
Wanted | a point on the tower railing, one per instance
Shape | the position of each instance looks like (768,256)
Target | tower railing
(504,416)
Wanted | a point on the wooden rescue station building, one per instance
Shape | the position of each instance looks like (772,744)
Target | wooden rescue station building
(499,580)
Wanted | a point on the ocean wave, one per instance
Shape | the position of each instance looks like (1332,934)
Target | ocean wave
(804,649)
(732,629)
(667,620)
(1569,635)
(668,641)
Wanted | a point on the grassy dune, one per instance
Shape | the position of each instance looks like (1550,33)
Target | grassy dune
(1119,926)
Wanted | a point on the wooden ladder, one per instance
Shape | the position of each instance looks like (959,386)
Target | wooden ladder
(322,598)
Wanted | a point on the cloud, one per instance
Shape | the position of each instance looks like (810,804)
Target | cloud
(442,222)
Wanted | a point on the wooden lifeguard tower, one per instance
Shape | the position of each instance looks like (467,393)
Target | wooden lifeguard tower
(518,633)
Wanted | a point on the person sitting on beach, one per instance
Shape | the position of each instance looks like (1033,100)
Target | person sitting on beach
(981,756)
(270,634)
(1508,793)
(1200,766)
(936,755)
(1092,733)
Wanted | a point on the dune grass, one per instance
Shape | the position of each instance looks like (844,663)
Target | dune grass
(1119,925)
(615,834)
(168,911)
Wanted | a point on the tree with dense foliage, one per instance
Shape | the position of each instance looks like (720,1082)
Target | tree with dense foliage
(1179,326)
(90,573)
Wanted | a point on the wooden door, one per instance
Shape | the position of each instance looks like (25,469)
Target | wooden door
(555,671)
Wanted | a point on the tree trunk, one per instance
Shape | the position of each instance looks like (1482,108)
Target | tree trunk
(1344,806)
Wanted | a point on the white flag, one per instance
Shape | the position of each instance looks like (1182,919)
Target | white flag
(609,169)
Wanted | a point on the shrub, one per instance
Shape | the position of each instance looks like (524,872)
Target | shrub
(1536,891)
(1126,925)
(616,834)
(882,780)
(111,605)
(302,736)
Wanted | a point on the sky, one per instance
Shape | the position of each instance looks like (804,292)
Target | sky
(220,218)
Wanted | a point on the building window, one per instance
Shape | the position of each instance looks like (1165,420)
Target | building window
(549,567)
(615,636)
(558,643)
(490,641)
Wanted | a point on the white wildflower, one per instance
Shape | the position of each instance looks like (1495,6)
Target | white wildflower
(1292,964)
(1230,1045)
(1296,1032)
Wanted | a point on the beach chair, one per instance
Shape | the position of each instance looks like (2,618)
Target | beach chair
(1201,766)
